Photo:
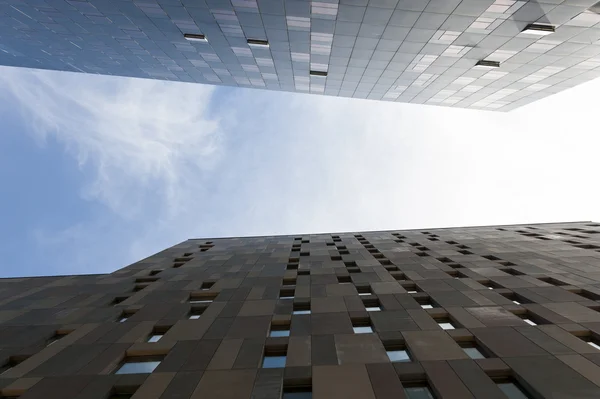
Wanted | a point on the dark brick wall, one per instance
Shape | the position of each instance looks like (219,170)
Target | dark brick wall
(483,280)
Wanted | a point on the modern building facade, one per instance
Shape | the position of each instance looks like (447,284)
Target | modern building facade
(482,312)
(481,54)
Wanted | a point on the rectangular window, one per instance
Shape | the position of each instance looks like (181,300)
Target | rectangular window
(364,290)
(471,349)
(592,342)
(362,329)
(125,316)
(446,324)
(511,389)
(398,355)
(528,320)
(274,358)
(280,330)
(297,393)
(195,313)
(420,391)
(138,366)
(286,294)
(154,337)
(301,308)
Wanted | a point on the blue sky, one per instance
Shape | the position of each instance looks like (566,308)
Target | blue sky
(98,172)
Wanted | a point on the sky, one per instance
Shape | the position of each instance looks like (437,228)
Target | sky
(98,172)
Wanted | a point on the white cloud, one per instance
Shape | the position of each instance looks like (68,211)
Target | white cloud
(176,161)
(136,134)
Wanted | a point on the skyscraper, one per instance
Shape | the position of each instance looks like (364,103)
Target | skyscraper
(481,54)
(481,312)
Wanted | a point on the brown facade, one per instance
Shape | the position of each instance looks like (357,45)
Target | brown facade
(521,304)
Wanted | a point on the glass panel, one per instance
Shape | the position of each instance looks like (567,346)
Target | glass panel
(446,325)
(530,322)
(301,312)
(418,393)
(155,338)
(138,367)
(399,355)
(373,308)
(595,345)
(473,352)
(511,390)
(427,306)
(194,316)
(279,333)
(270,362)
(297,395)
(362,330)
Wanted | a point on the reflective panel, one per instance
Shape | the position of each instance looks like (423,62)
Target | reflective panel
(418,392)
(138,367)
(373,308)
(270,362)
(473,352)
(512,390)
(398,355)
(362,330)
(155,338)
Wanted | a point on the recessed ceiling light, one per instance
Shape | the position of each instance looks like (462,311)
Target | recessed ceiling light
(538,29)
(258,43)
(487,64)
(318,73)
(194,37)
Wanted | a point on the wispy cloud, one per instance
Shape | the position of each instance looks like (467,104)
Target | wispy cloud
(141,138)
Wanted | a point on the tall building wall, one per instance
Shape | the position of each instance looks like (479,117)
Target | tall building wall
(411,51)
(480,312)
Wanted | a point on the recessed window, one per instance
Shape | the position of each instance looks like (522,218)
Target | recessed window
(157,334)
(195,313)
(204,298)
(372,305)
(527,320)
(12,362)
(446,324)
(485,64)
(362,291)
(138,366)
(206,286)
(426,306)
(257,43)
(471,349)
(538,29)
(297,393)
(373,308)
(193,37)
(344,279)
(274,359)
(318,73)
(511,389)
(119,299)
(54,338)
(399,355)
(301,308)
(154,337)
(418,391)
(280,330)
(125,316)
(286,294)
(591,341)
(362,326)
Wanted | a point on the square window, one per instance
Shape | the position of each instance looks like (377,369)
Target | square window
(418,392)
(138,366)
(273,361)
(398,355)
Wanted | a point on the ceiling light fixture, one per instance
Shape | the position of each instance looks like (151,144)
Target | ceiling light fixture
(538,29)
(195,37)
